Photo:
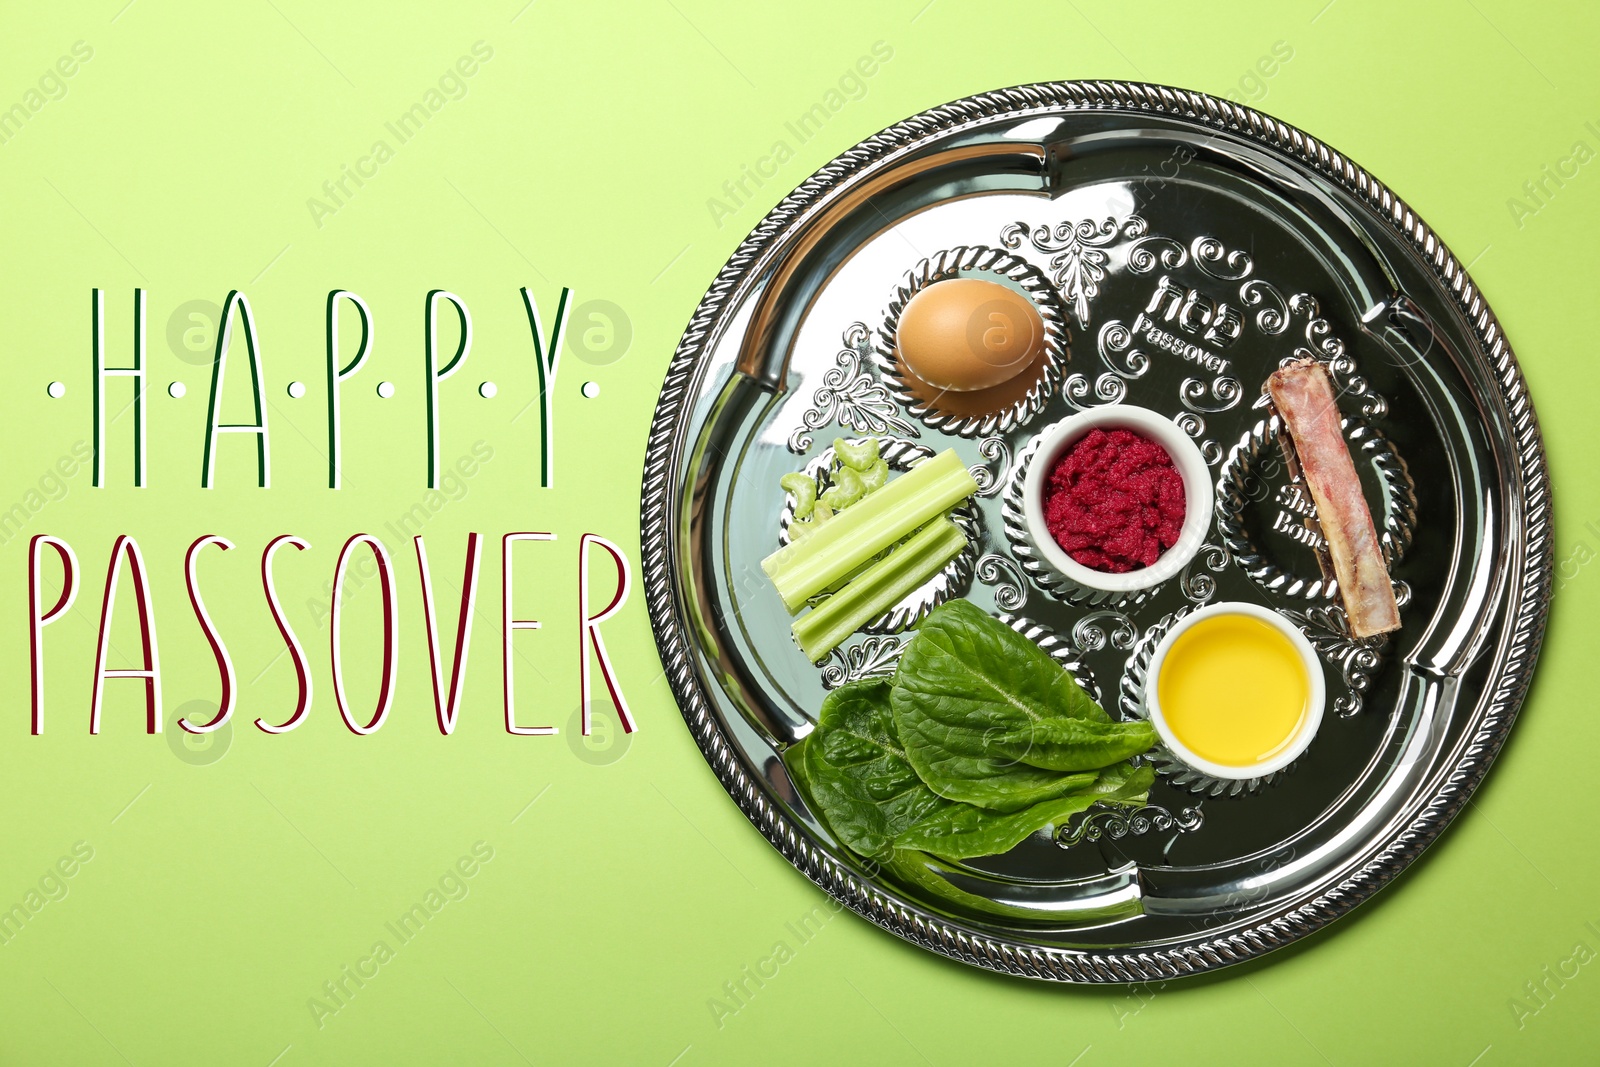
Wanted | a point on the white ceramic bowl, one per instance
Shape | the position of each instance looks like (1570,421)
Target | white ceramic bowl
(1315,700)
(1197,495)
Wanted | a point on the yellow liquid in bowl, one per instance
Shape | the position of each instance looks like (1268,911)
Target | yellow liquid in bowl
(1234,690)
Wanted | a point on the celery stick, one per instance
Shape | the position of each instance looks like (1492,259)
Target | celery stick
(805,568)
(878,588)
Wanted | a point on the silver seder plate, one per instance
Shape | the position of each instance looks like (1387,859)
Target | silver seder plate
(1181,248)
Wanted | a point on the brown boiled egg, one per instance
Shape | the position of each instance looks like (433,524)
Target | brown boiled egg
(964,335)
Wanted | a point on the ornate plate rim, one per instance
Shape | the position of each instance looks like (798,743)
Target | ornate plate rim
(1503,693)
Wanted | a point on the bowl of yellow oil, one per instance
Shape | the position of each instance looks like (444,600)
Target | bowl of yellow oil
(1235,691)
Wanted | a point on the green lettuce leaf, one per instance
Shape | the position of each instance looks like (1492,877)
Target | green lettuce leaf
(937,761)
(988,718)
(961,831)
(857,773)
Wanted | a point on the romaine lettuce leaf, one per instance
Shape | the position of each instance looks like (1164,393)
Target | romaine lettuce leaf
(857,773)
(987,717)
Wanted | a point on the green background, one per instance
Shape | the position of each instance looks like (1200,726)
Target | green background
(222,895)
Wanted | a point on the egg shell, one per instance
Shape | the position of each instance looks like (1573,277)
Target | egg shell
(969,334)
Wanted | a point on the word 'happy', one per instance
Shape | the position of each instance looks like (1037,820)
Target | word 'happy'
(546,351)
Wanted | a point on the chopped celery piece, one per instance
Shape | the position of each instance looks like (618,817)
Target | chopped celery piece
(847,488)
(875,476)
(820,513)
(857,457)
(803,488)
(878,588)
(804,568)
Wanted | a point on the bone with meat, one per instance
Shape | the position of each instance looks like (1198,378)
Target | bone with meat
(1303,394)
